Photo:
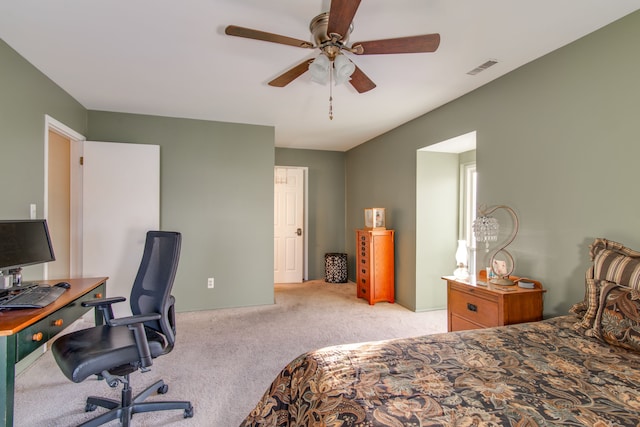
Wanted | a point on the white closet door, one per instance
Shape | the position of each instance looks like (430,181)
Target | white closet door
(288,225)
(120,203)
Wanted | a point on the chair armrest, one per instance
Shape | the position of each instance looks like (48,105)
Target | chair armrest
(102,301)
(132,320)
(104,305)
(136,324)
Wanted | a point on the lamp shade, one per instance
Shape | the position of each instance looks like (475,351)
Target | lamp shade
(485,229)
(319,69)
(344,68)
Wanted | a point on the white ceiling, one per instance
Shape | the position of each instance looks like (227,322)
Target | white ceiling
(172,58)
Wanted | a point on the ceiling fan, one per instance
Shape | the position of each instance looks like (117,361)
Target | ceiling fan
(330,32)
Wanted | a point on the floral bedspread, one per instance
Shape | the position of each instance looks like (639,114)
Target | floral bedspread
(535,374)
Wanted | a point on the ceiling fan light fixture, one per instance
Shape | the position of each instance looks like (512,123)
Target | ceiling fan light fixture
(319,69)
(343,69)
(330,33)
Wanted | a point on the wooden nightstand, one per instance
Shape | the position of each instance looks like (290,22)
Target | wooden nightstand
(476,306)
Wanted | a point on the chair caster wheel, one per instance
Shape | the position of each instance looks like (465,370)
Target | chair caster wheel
(188,413)
(90,407)
(163,389)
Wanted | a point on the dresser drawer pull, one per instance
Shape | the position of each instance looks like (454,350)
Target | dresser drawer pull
(58,322)
(472,307)
(37,337)
(98,295)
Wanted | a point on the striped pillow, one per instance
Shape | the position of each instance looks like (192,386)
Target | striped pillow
(617,268)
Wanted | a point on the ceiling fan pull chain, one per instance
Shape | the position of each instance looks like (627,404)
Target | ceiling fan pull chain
(331,93)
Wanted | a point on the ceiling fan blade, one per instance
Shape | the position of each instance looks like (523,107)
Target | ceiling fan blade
(249,33)
(291,74)
(341,15)
(411,44)
(361,82)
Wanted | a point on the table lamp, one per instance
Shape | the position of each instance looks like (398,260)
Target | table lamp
(485,229)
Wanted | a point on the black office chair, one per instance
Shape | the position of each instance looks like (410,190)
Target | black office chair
(124,345)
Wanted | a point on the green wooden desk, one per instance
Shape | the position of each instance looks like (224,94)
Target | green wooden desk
(25,330)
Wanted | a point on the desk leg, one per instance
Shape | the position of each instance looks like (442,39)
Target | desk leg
(7,378)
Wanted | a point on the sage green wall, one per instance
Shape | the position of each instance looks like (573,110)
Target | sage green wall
(217,190)
(467,157)
(381,174)
(326,201)
(557,140)
(216,182)
(437,199)
(26,96)
(438,223)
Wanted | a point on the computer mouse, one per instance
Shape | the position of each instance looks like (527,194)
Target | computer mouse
(63,285)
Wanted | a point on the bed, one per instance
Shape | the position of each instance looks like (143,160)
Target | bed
(579,369)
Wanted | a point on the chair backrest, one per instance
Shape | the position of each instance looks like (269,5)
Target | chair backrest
(151,292)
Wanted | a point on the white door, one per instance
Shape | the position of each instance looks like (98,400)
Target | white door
(120,203)
(289,233)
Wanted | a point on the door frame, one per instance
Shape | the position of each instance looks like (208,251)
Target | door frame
(305,198)
(75,239)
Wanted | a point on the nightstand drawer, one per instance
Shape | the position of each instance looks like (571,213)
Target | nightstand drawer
(460,324)
(476,309)
(471,306)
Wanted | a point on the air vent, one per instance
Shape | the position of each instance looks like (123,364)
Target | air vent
(482,67)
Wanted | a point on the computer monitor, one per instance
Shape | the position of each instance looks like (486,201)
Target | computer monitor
(24,242)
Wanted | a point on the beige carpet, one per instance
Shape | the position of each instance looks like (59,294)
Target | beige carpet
(224,360)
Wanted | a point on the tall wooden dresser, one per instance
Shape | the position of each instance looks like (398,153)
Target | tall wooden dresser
(375,265)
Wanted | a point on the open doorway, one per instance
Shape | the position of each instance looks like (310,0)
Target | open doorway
(442,207)
(59,204)
(62,207)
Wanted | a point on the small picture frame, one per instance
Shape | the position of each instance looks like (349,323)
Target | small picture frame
(374,218)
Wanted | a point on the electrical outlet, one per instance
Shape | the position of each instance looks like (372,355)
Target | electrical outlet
(210,283)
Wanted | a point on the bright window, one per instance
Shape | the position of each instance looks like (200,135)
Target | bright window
(468,187)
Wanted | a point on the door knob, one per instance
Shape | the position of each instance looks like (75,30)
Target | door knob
(299,231)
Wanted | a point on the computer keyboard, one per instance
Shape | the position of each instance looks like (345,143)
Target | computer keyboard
(34,297)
